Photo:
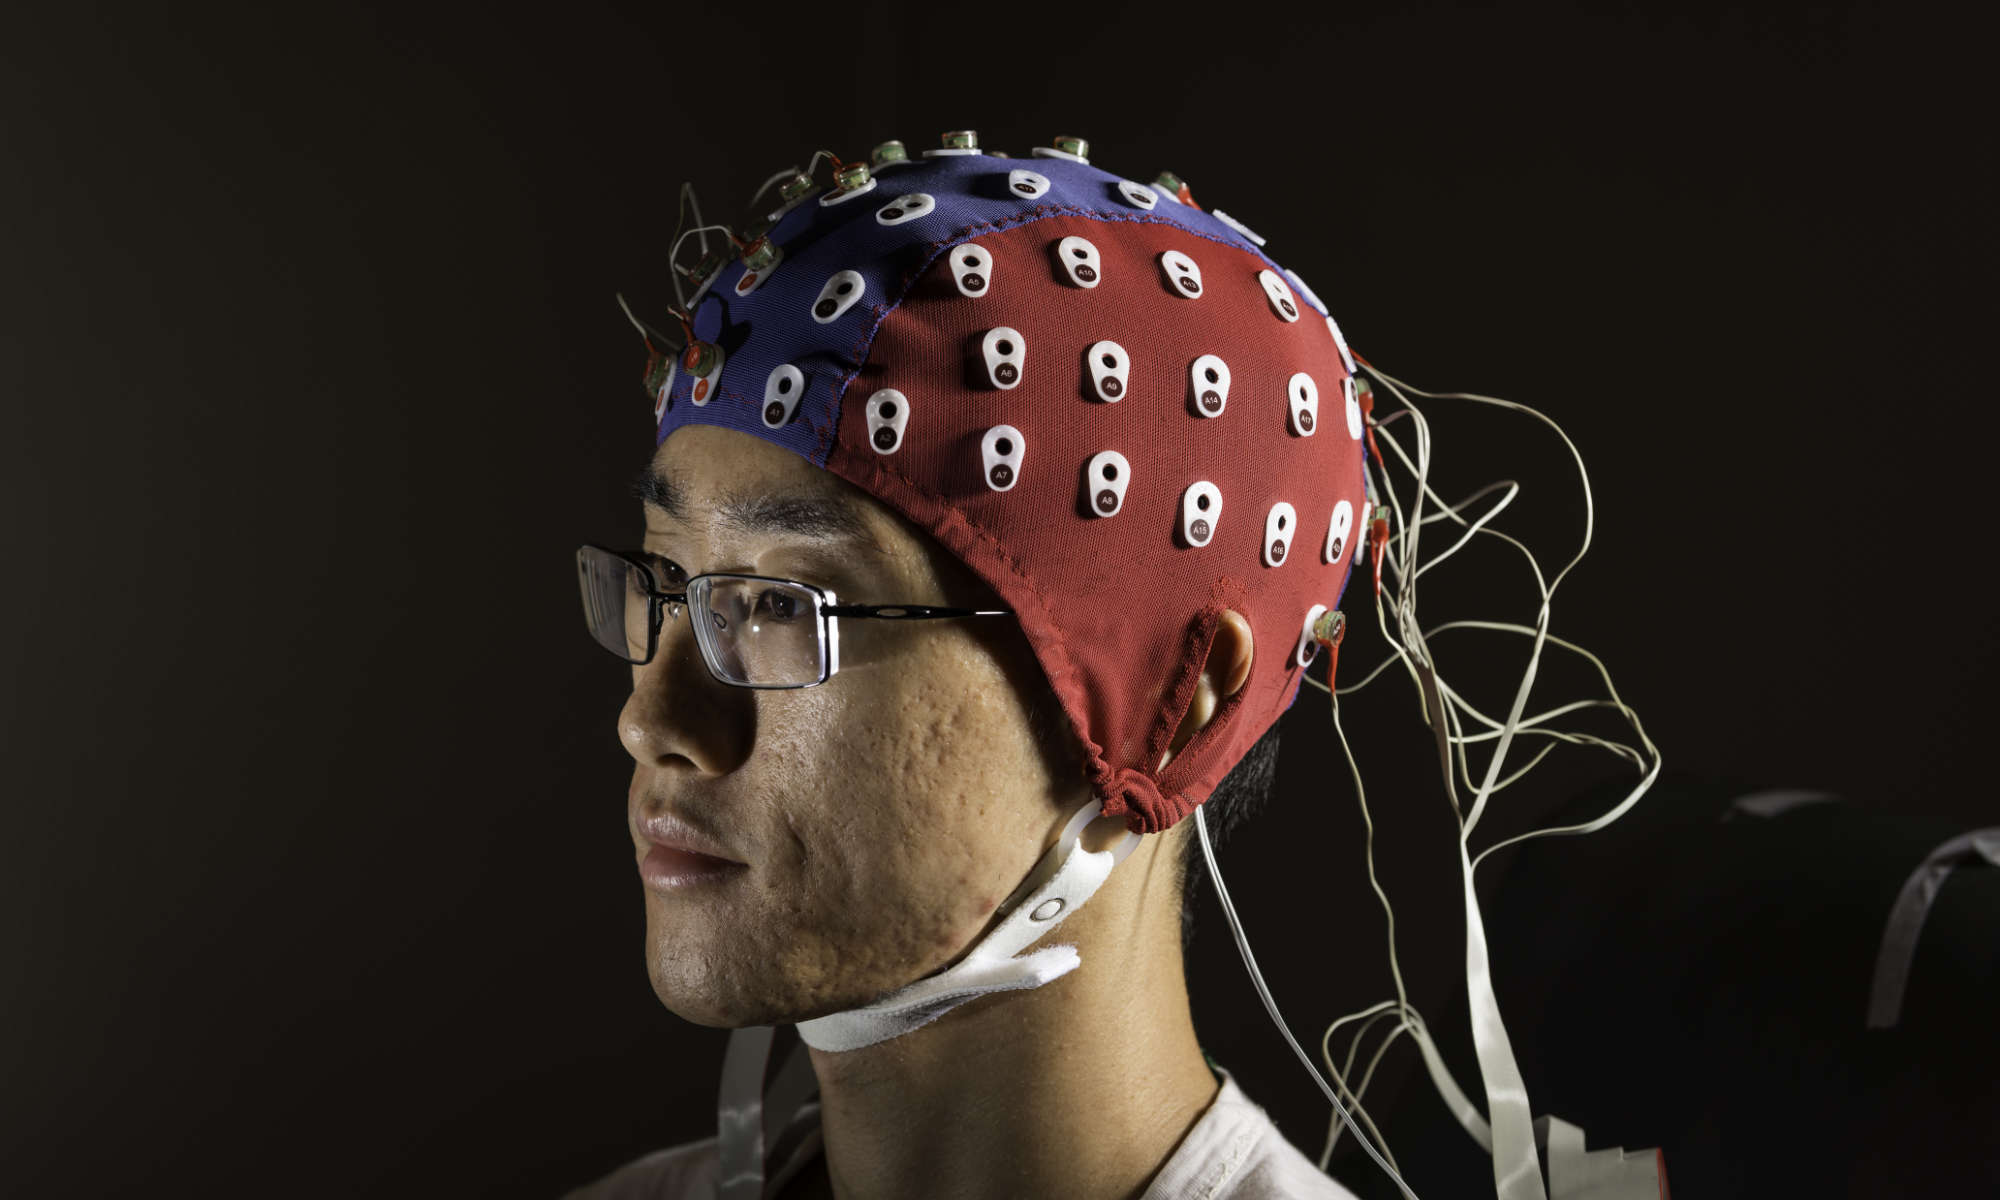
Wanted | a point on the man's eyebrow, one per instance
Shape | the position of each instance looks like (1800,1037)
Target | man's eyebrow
(809,517)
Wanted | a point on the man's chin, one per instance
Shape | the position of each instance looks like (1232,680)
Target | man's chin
(709,1012)
(703,989)
(739,1006)
(713,1009)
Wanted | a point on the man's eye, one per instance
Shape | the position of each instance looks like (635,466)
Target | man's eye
(666,572)
(780,604)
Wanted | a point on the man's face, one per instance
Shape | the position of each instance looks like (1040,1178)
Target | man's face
(884,814)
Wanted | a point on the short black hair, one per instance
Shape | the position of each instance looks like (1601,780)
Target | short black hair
(1241,795)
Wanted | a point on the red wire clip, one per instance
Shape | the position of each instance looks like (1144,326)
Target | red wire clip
(1378,526)
(1338,621)
(1364,392)
(1378,538)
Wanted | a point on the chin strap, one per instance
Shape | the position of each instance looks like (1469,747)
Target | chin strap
(748,1119)
(990,965)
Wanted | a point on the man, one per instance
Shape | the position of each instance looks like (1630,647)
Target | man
(836,808)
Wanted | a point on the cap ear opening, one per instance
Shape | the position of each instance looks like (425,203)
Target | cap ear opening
(1179,698)
(1183,771)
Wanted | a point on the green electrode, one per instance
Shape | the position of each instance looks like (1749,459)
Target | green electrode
(760,254)
(795,187)
(850,176)
(699,357)
(658,367)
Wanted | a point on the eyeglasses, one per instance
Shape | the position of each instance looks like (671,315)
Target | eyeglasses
(754,631)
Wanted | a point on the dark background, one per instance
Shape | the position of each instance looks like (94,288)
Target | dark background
(315,854)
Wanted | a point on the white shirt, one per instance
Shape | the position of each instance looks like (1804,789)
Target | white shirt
(1233,1153)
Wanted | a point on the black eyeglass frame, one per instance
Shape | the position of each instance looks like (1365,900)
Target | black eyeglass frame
(825,606)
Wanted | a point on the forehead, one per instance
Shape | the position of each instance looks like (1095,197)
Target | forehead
(733,484)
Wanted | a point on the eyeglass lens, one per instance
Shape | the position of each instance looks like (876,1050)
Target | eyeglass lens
(759,631)
(754,632)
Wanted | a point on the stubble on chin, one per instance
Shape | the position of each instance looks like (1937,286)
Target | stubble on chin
(710,977)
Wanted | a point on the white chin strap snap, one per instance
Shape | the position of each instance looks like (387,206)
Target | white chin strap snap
(990,965)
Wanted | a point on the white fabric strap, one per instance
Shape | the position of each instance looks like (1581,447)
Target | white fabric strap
(750,1117)
(740,1115)
(1611,1174)
(1906,919)
(990,965)
(1573,1172)
(1772,803)
(1517,1170)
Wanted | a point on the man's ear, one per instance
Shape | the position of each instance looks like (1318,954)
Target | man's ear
(1223,674)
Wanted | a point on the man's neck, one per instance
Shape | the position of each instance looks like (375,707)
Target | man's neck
(1080,1088)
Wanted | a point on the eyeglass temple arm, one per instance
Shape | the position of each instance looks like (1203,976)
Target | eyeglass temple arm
(883,612)
(899,612)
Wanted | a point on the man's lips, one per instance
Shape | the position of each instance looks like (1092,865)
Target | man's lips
(665,868)
(665,829)
(682,856)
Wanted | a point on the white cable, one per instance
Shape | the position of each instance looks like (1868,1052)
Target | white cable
(1336,1126)
(687,194)
(675,253)
(812,164)
(1542,614)
(1270,1005)
(1540,632)
(673,257)
(636,322)
(1389,913)
(787,173)
(1516,1162)
(1517,1172)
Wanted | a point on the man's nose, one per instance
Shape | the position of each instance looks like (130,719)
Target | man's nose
(677,706)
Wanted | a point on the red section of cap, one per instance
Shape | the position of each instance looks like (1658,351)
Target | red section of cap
(1119,609)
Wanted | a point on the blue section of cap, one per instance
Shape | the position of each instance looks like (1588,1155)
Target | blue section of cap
(774,324)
